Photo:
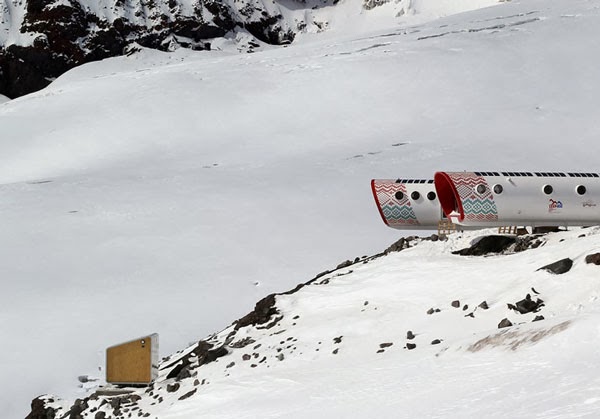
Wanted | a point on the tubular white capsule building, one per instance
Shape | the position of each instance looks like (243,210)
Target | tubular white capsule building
(489,199)
(407,204)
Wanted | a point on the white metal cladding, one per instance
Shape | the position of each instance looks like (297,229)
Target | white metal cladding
(534,198)
(407,204)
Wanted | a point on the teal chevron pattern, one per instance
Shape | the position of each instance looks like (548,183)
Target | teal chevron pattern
(476,206)
(396,212)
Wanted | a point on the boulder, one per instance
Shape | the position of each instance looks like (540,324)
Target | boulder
(487,245)
(559,267)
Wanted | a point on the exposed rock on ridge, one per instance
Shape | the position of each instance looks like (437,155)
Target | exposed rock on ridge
(55,36)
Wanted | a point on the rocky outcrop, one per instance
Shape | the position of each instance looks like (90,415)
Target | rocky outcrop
(488,244)
(55,36)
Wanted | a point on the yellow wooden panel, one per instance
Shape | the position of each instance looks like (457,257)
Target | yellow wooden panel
(130,363)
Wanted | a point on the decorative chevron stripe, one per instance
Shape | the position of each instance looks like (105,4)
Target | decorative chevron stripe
(396,212)
(477,206)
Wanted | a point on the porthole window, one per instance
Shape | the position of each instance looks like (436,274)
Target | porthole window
(498,189)
(399,195)
(581,190)
(548,189)
(481,189)
(415,195)
(431,196)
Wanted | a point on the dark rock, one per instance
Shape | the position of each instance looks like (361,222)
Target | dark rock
(470,315)
(246,357)
(184,373)
(397,246)
(172,388)
(410,346)
(202,354)
(487,245)
(100,415)
(504,323)
(242,343)
(385,345)
(527,305)
(410,335)
(188,394)
(231,364)
(338,339)
(593,258)
(538,318)
(77,409)
(262,313)
(483,305)
(455,304)
(560,267)
(39,410)
(434,237)
(335,351)
(465,307)
(430,311)
(344,264)
(436,342)
(534,291)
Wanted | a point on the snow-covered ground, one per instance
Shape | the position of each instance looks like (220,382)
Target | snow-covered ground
(169,192)
(410,334)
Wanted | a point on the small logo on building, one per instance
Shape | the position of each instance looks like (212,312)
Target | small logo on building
(554,205)
(589,204)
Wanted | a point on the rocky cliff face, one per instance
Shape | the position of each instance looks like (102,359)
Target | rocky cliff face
(41,39)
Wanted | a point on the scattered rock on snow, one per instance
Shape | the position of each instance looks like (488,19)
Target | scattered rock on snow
(385,345)
(593,258)
(486,245)
(410,335)
(172,388)
(436,342)
(560,267)
(456,303)
(483,305)
(538,318)
(504,323)
(410,346)
(188,394)
(527,305)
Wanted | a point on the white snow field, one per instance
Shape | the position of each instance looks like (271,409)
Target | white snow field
(169,192)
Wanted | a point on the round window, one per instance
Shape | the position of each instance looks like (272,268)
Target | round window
(581,190)
(548,189)
(415,195)
(498,189)
(399,196)
(481,189)
(431,196)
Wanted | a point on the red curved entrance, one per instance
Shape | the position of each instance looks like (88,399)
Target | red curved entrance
(448,195)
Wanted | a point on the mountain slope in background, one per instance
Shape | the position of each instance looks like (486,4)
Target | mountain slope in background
(40,40)
(169,191)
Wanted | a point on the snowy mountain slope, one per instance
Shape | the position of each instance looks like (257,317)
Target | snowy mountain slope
(39,41)
(140,191)
(341,345)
